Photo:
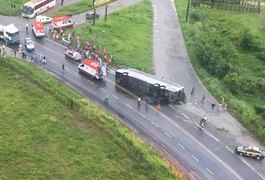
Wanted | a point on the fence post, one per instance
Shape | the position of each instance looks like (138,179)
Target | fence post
(259,7)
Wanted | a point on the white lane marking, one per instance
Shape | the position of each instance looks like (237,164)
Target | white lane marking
(195,158)
(128,105)
(91,82)
(229,149)
(185,116)
(167,135)
(214,138)
(103,89)
(181,146)
(55,43)
(261,175)
(142,115)
(209,170)
(245,162)
(171,106)
(154,124)
(187,76)
(115,97)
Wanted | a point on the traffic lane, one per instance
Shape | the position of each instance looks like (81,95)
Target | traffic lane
(217,146)
(73,65)
(96,90)
(165,41)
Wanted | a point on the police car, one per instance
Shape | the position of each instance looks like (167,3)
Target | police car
(29,44)
(250,151)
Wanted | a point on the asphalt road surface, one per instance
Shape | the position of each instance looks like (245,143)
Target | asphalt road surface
(199,152)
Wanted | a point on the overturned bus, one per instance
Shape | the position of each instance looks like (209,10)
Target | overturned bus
(158,90)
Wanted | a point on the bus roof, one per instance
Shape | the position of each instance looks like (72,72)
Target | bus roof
(91,63)
(33,2)
(170,86)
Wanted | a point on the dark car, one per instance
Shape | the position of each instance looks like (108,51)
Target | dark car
(90,15)
(250,151)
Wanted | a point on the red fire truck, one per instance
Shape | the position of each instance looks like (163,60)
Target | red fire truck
(38,29)
(91,68)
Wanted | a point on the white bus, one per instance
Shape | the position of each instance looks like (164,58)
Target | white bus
(35,7)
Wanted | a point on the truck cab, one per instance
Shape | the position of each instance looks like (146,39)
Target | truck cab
(10,33)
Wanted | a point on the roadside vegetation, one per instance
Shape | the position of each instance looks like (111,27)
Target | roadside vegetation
(6,9)
(126,35)
(227,51)
(42,137)
(75,8)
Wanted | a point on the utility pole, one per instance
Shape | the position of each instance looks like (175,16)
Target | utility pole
(106,12)
(188,8)
(94,18)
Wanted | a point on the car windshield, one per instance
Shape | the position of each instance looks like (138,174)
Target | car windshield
(247,148)
(27,10)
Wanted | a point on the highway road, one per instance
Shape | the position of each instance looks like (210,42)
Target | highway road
(200,153)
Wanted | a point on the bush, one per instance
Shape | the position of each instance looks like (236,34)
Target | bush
(249,41)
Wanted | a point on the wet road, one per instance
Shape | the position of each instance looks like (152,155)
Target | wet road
(199,153)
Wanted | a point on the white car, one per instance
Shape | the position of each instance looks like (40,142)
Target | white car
(72,54)
(29,44)
(43,19)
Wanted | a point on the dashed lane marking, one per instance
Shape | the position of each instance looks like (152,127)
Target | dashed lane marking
(185,116)
(115,97)
(245,162)
(217,140)
(103,89)
(128,105)
(229,149)
(195,158)
(209,171)
(142,115)
(171,106)
(167,135)
(181,146)
(154,124)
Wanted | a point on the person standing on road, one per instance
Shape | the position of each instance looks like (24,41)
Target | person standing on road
(63,67)
(139,101)
(203,98)
(158,105)
(44,61)
(213,105)
(106,99)
(192,91)
(27,27)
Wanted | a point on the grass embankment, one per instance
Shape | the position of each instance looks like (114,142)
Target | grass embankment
(5,8)
(228,53)
(127,35)
(75,8)
(40,137)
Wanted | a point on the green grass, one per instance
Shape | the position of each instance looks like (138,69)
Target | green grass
(75,8)
(247,64)
(5,8)
(41,138)
(127,35)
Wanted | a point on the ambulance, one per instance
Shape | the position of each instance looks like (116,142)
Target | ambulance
(91,68)
(62,22)
(38,29)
